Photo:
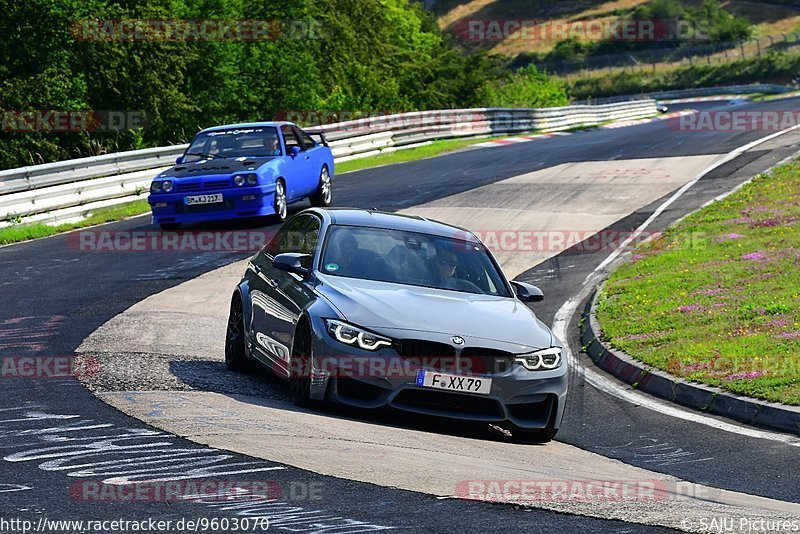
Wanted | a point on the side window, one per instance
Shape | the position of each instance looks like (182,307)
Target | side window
(301,234)
(289,138)
(306,141)
(284,240)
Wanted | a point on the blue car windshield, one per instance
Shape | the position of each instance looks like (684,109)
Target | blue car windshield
(235,143)
(411,258)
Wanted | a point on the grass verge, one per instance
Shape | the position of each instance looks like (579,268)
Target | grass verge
(26,231)
(716,299)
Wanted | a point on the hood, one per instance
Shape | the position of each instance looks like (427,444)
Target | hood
(215,166)
(384,306)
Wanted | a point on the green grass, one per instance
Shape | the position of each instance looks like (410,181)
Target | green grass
(410,154)
(716,299)
(24,232)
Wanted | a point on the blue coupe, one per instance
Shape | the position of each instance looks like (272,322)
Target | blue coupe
(243,170)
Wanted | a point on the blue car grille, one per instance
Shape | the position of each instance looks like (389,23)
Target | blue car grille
(190,186)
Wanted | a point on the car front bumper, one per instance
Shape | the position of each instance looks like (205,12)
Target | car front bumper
(240,202)
(344,374)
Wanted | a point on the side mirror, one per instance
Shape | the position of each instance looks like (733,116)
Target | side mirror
(178,160)
(527,292)
(291,262)
(294,151)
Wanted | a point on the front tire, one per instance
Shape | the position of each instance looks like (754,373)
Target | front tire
(300,367)
(280,205)
(324,194)
(235,356)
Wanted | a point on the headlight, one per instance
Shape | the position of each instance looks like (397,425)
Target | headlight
(155,187)
(167,186)
(352,335)
(252,179)
(541,359)
(238,179)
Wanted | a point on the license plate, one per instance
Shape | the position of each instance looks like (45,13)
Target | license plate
(203,199)
(468,384)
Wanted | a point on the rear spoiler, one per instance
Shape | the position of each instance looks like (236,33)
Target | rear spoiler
(319,133)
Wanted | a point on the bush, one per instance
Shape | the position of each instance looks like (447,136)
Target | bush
(525,88)
(374,56)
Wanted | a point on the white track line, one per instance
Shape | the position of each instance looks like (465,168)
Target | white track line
(606,385)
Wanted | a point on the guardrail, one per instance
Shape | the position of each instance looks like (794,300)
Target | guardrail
(65,190)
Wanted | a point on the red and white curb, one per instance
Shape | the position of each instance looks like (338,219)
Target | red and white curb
(666,116)
(521,139)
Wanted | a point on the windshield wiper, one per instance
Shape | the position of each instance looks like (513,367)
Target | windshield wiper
(205,155)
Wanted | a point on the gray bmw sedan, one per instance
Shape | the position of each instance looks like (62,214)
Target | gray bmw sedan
(374,309)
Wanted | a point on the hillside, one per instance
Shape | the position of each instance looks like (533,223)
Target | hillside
(767,18)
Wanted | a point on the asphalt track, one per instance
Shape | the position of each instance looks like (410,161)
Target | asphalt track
(54,296)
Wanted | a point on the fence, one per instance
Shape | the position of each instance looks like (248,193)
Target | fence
(65,190)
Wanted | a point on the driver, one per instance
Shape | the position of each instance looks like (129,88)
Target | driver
(271,145)
(445,264)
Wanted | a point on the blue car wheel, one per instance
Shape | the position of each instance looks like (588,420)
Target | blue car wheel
(280,203)
(324,194)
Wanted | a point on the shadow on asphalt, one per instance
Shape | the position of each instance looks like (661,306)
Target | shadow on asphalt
(261,388)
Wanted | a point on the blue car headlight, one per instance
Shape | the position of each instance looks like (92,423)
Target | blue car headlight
(541,360)
(239,179)
(161,185)
(353,335)
(252,179)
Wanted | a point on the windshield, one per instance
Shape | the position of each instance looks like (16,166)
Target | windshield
(235,143)
(411,258)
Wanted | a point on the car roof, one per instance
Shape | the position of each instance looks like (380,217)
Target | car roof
(275,124)
(394,221)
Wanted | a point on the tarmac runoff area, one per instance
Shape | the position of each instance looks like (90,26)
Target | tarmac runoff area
(161,361)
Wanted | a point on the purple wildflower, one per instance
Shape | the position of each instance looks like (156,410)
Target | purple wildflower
(756,256)
(779,323)
(790,336)
(690,308)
